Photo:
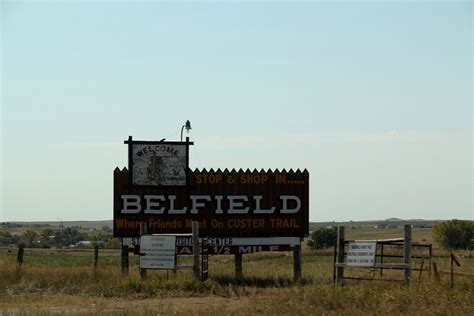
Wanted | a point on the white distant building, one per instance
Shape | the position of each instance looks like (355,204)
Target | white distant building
(84,244)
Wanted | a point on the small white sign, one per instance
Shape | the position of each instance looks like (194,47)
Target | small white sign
(157,252)
(131,242)
(361,254)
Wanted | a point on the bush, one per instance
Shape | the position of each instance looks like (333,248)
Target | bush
(323,238)
(454,234)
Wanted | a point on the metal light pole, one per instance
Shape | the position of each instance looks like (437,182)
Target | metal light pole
(188,128)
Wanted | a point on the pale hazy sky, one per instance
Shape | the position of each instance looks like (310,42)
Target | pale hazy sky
(373,98)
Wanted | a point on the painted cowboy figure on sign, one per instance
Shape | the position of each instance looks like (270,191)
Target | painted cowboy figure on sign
(154,168)
(158,163)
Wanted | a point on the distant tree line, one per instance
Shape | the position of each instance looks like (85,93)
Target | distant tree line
(69,236)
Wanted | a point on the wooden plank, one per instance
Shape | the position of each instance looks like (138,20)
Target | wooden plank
(238,266)
(143,231)
(20,254)
(96,255)
(195,229)
(376,266)
(407,252)
(297,263)
(340,256)
(125,259)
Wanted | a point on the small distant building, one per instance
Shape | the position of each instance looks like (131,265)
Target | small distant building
(89,244)
(385,226)
(83,244)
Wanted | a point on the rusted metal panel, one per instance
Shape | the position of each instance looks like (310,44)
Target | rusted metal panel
(226,203)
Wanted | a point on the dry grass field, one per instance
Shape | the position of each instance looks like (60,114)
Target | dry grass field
(64,282)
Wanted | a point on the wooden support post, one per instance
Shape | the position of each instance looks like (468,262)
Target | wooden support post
(381,259)
(452,270)
(238,266)
(340,255)
(297,263)
(334,260)
(421,268)
(143,231)
(125,261)
(407,252)
(429,261)
(19,257)
(196,265)
(435,270)
(453,260)
(96,255)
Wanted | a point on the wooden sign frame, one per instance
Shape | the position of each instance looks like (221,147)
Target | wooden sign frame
(166,145)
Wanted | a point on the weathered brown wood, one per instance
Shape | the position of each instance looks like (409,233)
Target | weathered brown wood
(370,279)
(340,255)
(20,254)
(232,183)
(305,188)
(421,269)
(130,158)
(196,265)
(125,259)
(297,263)
(395,266)
(407,253)
(452,270)
(96,255)
(204,260)
(334,261)
(143,231)
(238,266)
(455,259)
(435,271)
(381,259)
(430,253)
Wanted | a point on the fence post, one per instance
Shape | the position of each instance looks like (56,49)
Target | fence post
(19,257)
(238,266)
(407,253)
(334,261)
(124,256)
(296,263)
(196,265)
(453,260)
(381,259)
(429,265)
(96,255)
(143,231)
(340,255)
(435,270)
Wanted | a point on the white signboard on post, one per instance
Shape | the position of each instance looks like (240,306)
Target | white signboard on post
(361,254)
(158,252)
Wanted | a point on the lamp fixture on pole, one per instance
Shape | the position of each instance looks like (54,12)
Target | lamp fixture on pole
(188,128)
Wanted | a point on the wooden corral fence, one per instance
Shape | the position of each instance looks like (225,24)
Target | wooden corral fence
(387,256)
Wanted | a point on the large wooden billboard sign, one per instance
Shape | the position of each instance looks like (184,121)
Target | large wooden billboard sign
(226,203)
